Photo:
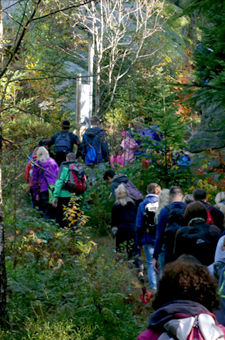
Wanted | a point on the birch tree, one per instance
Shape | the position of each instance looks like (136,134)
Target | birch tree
(120,30)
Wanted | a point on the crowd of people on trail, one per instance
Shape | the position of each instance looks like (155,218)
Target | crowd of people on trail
(182,237)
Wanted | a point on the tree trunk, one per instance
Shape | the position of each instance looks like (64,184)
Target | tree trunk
(3,279)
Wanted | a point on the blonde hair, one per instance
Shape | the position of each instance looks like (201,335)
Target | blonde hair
(221,207)
(42,154)
(220,197)
(122,197)
(153,188)
(163,201)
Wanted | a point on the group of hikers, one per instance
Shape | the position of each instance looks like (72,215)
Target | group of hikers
(183,237)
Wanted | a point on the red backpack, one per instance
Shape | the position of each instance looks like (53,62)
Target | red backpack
(77,180)
(209,216)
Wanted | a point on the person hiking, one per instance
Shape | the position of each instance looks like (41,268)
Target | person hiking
(115,180)
(146,228)
(44,175)
(184,304)
(215,216)
(117,158)
(29,174)
(63,143)
(176,208)
(129,146)
(198,238)
(95,149)
(124,213)
(69,171)
(217,270)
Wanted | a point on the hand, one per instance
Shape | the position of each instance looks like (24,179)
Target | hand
(37,198)
(54,203)
(114,231)
(155,265)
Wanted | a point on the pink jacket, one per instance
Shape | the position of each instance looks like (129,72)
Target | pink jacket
(130,146)
(117,160)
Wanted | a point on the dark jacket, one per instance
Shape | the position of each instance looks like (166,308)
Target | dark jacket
(124,216)
(216,214)
(162,219)
(198,239)
(73,138)
(146,238)
(100,145)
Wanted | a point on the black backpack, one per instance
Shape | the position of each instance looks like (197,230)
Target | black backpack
(63,142)
(149,226)
(175,221)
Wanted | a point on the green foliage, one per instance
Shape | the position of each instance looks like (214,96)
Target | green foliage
(63,290)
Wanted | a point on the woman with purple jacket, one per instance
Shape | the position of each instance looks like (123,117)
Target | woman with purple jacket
(44,174)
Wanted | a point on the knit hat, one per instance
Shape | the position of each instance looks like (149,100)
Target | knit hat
(66,124)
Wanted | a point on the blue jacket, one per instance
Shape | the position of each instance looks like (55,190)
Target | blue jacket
(162,219)
(146,238)
(101,143)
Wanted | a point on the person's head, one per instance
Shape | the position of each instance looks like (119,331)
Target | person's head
(35,150)
(175,194)
(71,157)
(125,134)
(65,125)
(220,197)
(200,195)
(122,197)
(153,188)
(163,201)
(95,121)
(136,122)
(188,198)
(118,150)
(45,143)
(187,279)
(195,210)
(42,154)
(108,176)
(221,207)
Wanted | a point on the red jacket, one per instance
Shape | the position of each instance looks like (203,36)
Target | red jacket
(28,175)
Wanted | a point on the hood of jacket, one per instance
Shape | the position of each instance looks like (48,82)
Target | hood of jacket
(92,132)
(151,198)
(168,312)
(120,178)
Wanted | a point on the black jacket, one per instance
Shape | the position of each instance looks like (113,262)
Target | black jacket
(216,214)
(124,216)
(101,143)
(198,239)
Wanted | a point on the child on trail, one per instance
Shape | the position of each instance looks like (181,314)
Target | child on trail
(117,158)
(130,146)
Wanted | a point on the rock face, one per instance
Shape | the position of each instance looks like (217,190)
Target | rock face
(211,133)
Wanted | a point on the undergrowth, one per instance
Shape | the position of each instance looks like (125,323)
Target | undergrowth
(62,285)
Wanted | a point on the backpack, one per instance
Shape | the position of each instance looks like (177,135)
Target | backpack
(209,216)
(76,182)
(91,156)
(32,162)
(133,192)
(175,221)
(149,218)
(202,326)
(63,142)
(149,226)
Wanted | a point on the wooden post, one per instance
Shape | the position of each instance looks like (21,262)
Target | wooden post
(78,95)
